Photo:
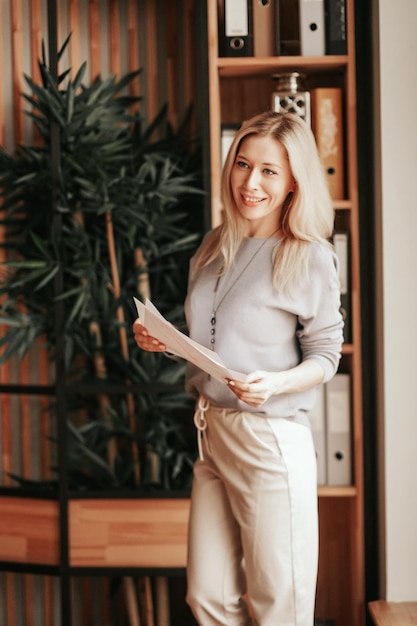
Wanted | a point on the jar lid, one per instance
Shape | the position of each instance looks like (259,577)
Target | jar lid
(289,82)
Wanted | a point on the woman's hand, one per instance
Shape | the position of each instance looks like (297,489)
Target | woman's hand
(145,340)
(260,386)
(257,389)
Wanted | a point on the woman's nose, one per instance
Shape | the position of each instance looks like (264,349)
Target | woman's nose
(252,180)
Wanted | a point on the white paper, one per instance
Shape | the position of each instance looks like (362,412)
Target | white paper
(180,345)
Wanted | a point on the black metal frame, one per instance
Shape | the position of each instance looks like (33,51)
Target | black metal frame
(364,82)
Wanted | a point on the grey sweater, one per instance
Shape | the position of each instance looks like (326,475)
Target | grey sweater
(258,328)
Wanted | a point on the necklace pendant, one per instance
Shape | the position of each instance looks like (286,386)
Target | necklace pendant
(213,329)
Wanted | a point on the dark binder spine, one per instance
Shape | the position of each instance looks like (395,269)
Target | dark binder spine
(335,26)
(238,44)
(277,28)
(288,27)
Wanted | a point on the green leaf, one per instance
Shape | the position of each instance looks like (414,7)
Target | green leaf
(14,322)
(70,103)
(26,178)
(40,244)
(79,76)
(80,302)
(25,264)
(63,47)
(48,278)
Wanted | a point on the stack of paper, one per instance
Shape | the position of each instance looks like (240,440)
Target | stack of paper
(180,345)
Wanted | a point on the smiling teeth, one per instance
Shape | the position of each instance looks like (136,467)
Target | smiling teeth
(248,199)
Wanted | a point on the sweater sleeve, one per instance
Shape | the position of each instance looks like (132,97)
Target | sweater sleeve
(320,325)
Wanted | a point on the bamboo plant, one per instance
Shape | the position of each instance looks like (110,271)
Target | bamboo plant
(129,211)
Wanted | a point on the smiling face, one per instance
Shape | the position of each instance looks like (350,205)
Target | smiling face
(261,180)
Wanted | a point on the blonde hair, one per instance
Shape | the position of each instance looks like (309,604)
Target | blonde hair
(307,214)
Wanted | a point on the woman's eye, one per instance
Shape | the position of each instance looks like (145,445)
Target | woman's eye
(242,164)
(269,172)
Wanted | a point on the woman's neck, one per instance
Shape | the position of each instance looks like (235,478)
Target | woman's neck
(262,232)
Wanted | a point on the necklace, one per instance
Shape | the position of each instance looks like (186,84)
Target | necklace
(216,307)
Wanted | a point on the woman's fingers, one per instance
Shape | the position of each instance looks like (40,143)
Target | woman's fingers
(145,340)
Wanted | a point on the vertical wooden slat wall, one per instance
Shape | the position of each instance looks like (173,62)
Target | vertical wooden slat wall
(8,614)
(113,37)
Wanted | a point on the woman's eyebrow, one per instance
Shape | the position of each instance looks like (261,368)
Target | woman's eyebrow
(242,156)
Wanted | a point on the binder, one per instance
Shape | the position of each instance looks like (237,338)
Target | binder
(335,26)
(312,33)
(265,14)
(317,417)
(228,132)
(236,29)
(327,126)
(338,426)
(341,242)
(288,27)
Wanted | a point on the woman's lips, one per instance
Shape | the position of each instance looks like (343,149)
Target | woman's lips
(251,200)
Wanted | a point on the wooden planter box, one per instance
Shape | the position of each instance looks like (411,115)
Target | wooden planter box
(103,532)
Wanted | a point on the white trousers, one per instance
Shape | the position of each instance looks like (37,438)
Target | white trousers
(253,528)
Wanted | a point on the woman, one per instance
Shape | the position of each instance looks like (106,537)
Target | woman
(264,294)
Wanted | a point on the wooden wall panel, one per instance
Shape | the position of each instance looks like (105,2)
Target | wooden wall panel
(151,60)
(17,65)
(35,38)
(157,36)
(94,31)
(2,82)
(113,37)
(75,30)
(134,61)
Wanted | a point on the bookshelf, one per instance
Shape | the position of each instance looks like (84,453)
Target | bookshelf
(238,88)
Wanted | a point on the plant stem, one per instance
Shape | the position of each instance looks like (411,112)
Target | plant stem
(123,336)
(104,402)
(143,277)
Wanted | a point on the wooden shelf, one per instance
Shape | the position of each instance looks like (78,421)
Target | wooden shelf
(255,66)
(342,205)
(330,491)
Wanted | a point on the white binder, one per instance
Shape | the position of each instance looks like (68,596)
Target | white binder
(338,430)
(317,417)
(312,31)
(341,248)
(236,18)
(228,132)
